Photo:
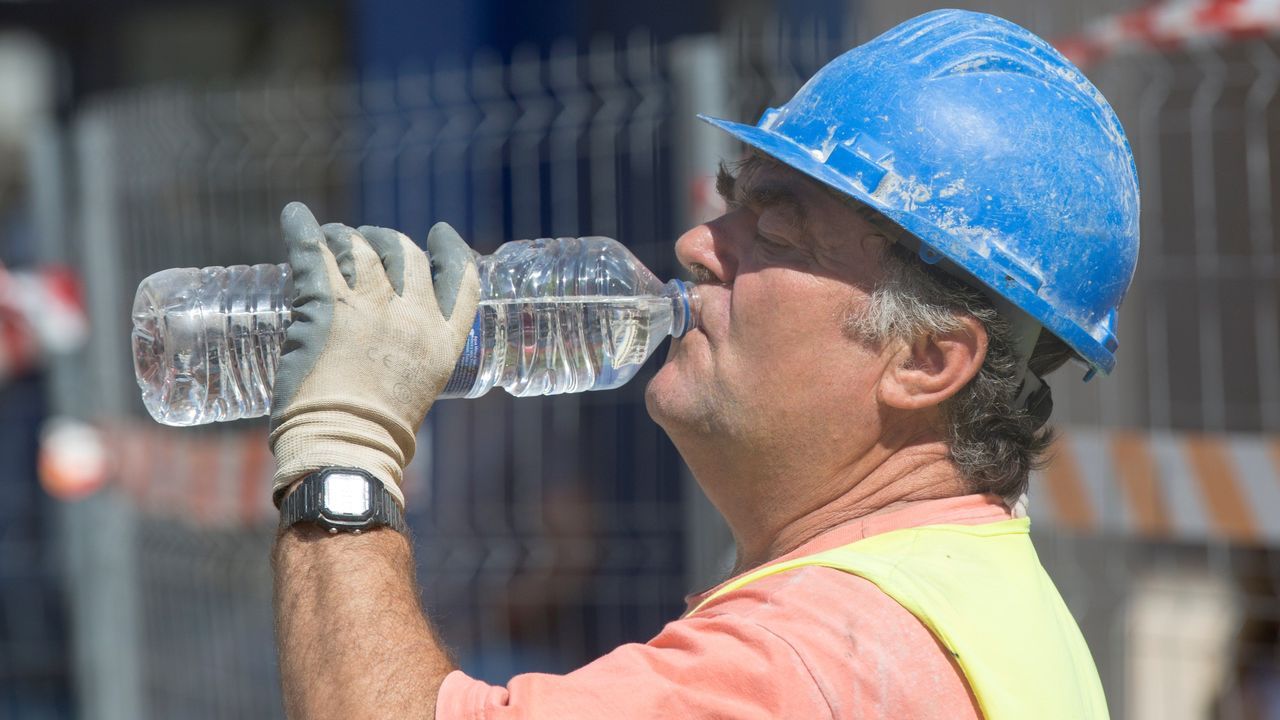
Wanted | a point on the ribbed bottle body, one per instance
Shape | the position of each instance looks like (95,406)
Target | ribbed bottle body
(206,341)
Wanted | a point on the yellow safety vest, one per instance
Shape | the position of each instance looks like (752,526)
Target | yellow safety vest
(982,592)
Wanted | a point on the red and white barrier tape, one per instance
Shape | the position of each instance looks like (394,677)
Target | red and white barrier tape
(210,479)
(1153,484)
(41,314)
(1171,25)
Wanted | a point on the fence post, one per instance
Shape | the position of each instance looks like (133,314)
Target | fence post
(701,86)
(103,597)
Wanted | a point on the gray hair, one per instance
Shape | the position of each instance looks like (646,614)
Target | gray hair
(993,443)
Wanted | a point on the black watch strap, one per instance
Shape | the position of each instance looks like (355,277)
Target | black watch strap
(342,500)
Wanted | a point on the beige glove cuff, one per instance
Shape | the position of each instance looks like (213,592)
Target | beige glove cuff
(313,438)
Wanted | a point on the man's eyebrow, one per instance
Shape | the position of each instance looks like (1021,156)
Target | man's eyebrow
(759,195)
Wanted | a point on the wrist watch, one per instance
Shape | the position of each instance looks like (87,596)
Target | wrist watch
(341,499)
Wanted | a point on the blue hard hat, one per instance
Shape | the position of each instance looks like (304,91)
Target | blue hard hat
(990,148)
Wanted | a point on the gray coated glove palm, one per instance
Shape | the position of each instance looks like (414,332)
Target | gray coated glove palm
(372,343)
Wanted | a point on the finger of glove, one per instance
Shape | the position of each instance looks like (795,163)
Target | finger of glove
(450,256)
(371,279)
(467,301)
(314,272)
(309,259)
(341,240)
(418,287)
(392,246)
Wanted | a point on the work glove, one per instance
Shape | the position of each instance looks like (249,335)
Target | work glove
(374,339)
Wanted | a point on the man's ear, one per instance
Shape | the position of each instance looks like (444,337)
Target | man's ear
(933,368)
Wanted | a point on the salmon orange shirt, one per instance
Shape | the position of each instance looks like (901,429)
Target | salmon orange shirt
(812,642)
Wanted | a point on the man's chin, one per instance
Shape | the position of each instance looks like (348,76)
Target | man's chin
(676,402)
(667,395)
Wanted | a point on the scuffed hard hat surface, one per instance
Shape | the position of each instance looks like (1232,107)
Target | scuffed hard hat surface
(996,152)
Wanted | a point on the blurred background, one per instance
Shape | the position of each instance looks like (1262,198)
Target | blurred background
(139,135)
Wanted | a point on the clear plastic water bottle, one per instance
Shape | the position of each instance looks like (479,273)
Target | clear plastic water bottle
(556,316)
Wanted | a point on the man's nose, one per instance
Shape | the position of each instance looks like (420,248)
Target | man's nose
(706,245)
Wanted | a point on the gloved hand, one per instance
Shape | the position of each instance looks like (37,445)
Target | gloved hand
(373,341)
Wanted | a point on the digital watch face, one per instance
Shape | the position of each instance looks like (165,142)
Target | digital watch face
(347,496)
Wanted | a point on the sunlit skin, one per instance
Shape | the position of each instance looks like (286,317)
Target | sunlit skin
(790,423)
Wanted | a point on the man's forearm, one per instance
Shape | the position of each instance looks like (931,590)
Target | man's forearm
(353,639)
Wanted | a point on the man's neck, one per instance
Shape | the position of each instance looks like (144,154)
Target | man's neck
(909,475)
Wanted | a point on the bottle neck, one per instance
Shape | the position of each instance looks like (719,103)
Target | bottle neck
(685,306)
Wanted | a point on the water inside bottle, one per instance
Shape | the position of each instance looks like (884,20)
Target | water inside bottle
(568,344)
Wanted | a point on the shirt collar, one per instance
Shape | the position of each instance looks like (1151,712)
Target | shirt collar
(974,509)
